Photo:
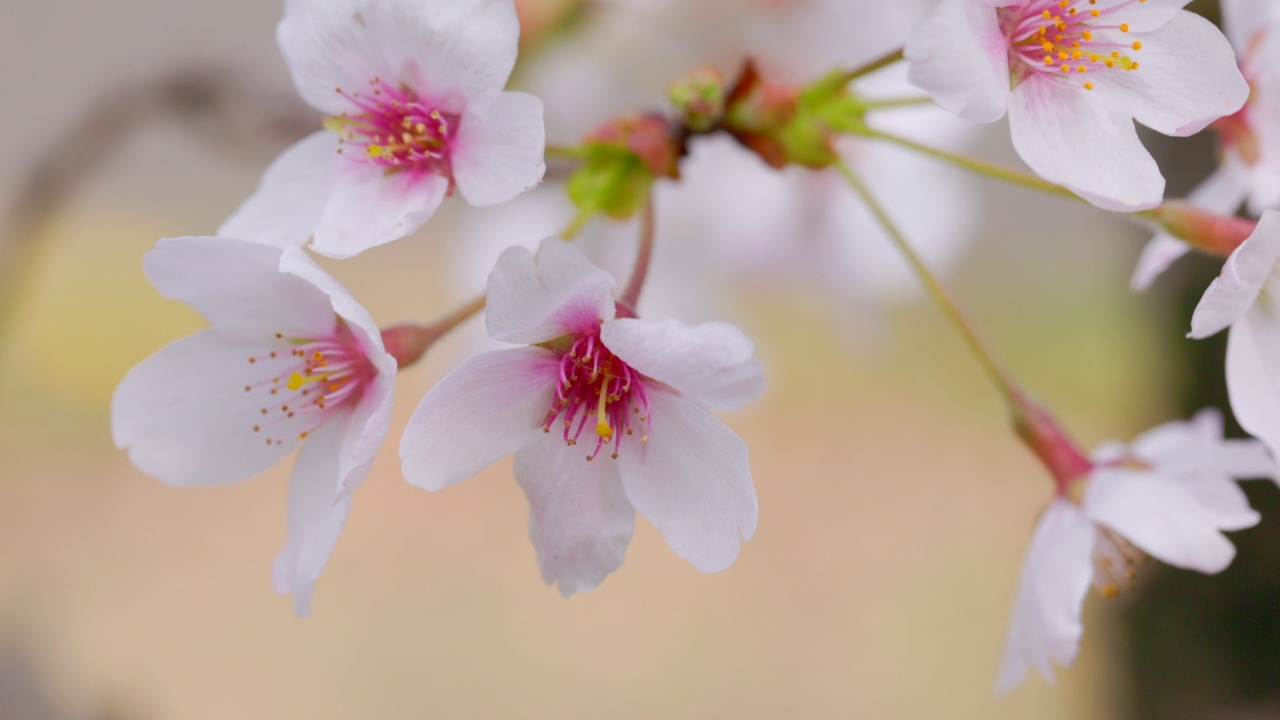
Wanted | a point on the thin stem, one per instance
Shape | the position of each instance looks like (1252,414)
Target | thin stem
(409,342)
(889,103)
(881,62)
(566,152)
(644,255)
(1003,380)
(1004,174)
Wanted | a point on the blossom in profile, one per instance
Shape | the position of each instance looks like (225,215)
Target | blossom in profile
(607,415)
(1073,76)
(1244,298)
(1249,140)
(412,93)
(1169,495)
(290,358)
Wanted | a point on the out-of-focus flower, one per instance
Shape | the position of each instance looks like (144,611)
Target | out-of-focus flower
(1250,139)
(1168,494)
(1245,298)
(637,394)
(1073,75)
(290,356)
(413,94)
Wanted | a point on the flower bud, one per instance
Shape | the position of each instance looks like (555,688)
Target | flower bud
(699,98)
(622,158)
(1206,231)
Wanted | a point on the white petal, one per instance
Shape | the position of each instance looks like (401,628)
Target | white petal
(713,362)
(1198,448)
(185,419)
(1187,77)
(1158,516)
(1222,192)
(296,262)
(237,286)
(1069,136)
(1163,250)
(579,518)
(1253,378)
(444,48)
(487,408)
(287,205)
(534,299)
(317,511)
(500,147)
(692,481)
(1056,574)
(1148,16)
(1243,277)
(959,57)
(370,206)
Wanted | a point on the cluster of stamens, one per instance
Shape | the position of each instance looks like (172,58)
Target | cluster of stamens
(1060,37)
(392,127)
(1115,563)
(594,379)
(307,380)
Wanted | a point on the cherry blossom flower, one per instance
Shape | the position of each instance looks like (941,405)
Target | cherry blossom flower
(290,356)
(1249,173)
(412,91)
(1169,494)
(607,415)
(1073,75)
(1244,297)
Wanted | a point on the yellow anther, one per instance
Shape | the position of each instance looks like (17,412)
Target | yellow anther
(296,380)
(1137,45)
(1124,27)
(376,151)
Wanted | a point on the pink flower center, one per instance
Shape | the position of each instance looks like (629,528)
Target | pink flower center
(1068,38)
(306,381)
(595,381)
(394,128)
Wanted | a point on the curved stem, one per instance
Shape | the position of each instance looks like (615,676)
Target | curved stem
(898,102)
(407,343)
(883,61)
(937,292)
(644,255)
(565,152)
(981,167)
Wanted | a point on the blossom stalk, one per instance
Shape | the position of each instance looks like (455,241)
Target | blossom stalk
(407,343)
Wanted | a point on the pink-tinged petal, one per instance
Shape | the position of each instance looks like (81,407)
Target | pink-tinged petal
(1068,135)
(1160,517)
(713,362)
(1222,192)
(487,408)
(1187,77)
(1243,277)
(238,287)
(691,480)
(185,419)
(533,299)
(371,206)
(579,518)
(316,512)
(288,204)
(1056,575)
(1253,377)
(296,262)
(449,48)
(960,57)
(500,147)
(1145,17)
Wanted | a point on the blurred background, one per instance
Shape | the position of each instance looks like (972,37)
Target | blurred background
(895,504)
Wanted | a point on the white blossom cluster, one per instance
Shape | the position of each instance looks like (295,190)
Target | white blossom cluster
(608,413)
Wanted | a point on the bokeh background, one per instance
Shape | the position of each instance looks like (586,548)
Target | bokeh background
(895,504)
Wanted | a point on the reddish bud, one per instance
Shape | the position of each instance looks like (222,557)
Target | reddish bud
(1206,231)
(699,98)
(650,137)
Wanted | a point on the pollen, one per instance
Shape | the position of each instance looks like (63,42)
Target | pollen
(1053,37)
